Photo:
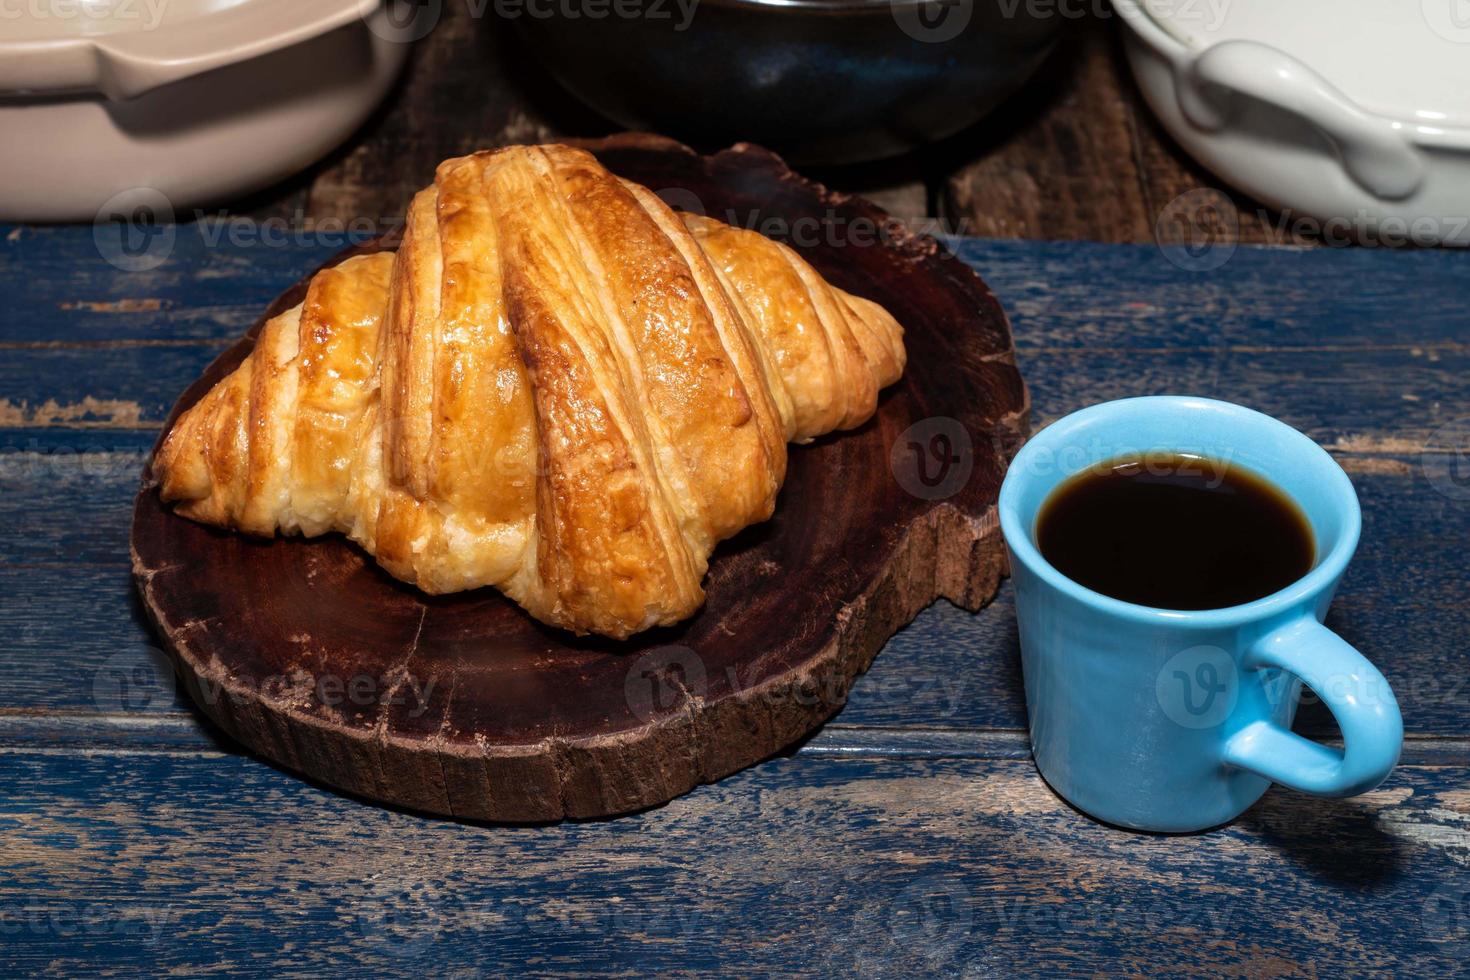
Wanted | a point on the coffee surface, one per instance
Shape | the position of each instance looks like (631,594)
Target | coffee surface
(1175,531)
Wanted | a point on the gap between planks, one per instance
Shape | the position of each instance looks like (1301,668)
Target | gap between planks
(217,342)
(1359,454)
(91,733)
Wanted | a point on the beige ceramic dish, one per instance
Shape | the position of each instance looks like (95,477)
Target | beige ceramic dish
(191,101)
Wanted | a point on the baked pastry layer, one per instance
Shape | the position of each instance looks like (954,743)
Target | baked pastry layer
(557,386)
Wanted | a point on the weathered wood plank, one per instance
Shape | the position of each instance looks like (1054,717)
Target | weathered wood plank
(66,509)
(72,618)
(1395,400)
(1057,161)
(70,732)
(130,446)
(1079,155)
(1132,297)
(97,387)
(1399,393)
(468,87)
(1322,331)
(1059,294)
(216,279)
(848,865)
(147,733)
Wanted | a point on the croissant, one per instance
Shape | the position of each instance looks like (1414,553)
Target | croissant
(557,386)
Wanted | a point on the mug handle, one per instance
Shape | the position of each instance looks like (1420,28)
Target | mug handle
(1373,152)
(1356,693)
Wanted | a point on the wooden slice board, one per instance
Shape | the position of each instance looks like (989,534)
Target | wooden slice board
(463,705)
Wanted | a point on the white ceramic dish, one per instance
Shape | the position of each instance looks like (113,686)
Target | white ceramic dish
(193,100)
(1354,114)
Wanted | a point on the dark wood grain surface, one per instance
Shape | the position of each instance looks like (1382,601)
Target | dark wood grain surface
(1078,155)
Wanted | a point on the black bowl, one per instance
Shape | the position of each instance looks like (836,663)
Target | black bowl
(822,81)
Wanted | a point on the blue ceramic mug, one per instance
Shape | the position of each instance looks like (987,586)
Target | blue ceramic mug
(1169,720)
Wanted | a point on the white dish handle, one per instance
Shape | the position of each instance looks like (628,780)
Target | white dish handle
(1372,152)
(125,65)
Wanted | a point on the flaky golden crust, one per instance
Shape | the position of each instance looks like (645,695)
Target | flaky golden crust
(557,386)
(832,351)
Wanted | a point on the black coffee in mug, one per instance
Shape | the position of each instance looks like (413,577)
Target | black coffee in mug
(1175,531)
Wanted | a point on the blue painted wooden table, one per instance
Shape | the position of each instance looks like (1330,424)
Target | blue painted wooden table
(911,835)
